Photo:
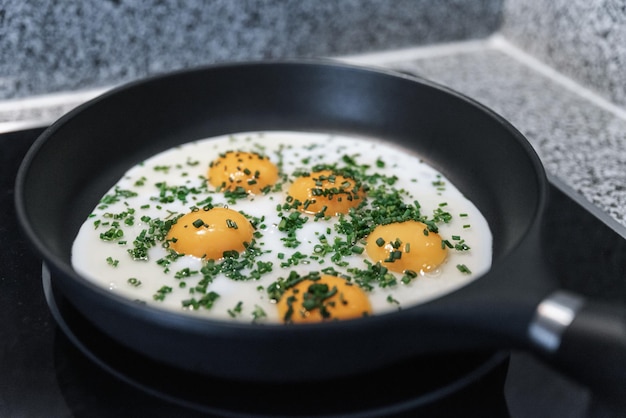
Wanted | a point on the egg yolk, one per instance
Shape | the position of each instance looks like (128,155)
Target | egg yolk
(210,233)
(251,171)
(326,299)
(406,246)
(325,192)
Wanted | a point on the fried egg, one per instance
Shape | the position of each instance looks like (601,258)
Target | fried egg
(208,233)
(324,192)
(249,171)
(283,227)
(316,298)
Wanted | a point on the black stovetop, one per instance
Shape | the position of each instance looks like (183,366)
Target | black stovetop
(53,364)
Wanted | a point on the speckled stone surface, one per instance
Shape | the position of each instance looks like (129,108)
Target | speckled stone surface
(585,39)
(73,45)
(577,141)
(49,46)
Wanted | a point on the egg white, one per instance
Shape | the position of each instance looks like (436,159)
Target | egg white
(108,263)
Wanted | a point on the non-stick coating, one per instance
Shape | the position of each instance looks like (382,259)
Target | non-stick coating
(76,160)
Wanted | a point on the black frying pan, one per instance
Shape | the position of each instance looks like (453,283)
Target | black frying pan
(515,305)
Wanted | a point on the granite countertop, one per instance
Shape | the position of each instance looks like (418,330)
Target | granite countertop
(579,136)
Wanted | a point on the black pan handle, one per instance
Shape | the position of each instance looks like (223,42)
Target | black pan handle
(586,340)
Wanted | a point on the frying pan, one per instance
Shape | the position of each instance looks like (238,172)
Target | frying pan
(515,305)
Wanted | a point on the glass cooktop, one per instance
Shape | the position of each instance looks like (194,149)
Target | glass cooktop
(53,363)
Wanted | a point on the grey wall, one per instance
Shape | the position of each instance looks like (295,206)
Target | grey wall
(49,46)
(583,39)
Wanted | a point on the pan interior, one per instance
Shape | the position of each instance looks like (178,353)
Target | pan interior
(81,156)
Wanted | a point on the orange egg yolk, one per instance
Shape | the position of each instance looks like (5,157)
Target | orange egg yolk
(251,171)
(326,299)
(406,246)
(210,233)
(323,191)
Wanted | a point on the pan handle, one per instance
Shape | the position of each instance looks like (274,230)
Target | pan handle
(584,339)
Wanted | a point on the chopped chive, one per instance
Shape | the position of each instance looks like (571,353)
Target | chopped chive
(134,282)
(463,269)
